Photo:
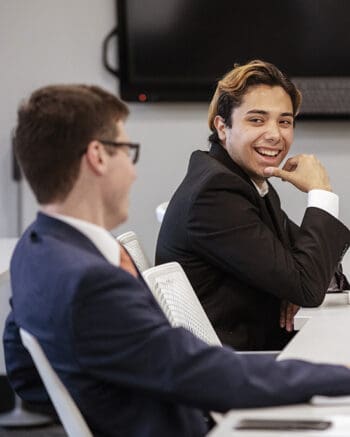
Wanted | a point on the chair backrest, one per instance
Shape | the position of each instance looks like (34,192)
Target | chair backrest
(5,294)
(175,295)
(7,246)
(160,211)
(131,243)
(71,418)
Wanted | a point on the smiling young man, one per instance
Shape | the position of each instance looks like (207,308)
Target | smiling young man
(261,131)
(250,265)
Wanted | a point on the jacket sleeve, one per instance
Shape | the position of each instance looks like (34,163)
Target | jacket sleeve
(339,280)
(122,338)
(225,227)
(20,367)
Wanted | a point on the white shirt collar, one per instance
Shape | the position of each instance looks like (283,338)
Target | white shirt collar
(263,190)
(102,239)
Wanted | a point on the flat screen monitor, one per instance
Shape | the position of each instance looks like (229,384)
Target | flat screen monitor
(176,50)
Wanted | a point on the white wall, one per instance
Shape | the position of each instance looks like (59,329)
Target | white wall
(42,42)
(46,41)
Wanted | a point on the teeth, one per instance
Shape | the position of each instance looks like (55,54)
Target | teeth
(268,152)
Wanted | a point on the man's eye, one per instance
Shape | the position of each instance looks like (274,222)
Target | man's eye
(256,120)
(286,122)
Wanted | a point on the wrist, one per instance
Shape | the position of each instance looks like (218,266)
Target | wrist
(324,187)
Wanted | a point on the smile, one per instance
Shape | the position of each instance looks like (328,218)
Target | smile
(268,152)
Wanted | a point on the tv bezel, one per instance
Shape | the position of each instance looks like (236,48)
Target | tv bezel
(153,91)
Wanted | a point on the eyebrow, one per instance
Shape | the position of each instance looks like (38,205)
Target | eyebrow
(260,111)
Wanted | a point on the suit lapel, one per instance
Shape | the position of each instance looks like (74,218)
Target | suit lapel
(273,206)
(220,154)
(266,215)
(269,205)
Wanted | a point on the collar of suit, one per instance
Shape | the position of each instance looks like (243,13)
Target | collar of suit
(101,239)
(218,152)
(269,202)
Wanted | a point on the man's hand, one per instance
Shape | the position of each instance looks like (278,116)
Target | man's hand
(287,313)
(304,172)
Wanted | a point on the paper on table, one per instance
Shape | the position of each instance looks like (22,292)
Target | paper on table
(330,400)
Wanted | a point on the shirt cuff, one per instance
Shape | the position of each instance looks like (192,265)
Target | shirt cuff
(325,200)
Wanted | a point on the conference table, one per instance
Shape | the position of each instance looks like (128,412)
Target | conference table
(323,337)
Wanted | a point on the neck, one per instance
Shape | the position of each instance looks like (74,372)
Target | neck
(82,207)
(80,212)
(258,181)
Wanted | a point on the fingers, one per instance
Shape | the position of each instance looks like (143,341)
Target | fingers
(285,175)
(272,171)
(287,313)
(289,318)
(283,314)
(290,313)
(305,172)
(291,164)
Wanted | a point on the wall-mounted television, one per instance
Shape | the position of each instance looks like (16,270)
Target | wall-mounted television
(176,50)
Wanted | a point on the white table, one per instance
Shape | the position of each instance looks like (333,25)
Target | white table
(334,304)
(338,415)
(324,337)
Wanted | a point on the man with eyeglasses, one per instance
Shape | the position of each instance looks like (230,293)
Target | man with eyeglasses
(128,370)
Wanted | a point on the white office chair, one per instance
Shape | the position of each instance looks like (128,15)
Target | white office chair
(179,302)
(175,295)
(160,211)
(71,418)
(131,243)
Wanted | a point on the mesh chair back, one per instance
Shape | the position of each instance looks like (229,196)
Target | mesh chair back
(71,418)
(132,245)
(175,295)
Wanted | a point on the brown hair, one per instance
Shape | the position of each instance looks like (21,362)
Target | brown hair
(54,127)
(233,86)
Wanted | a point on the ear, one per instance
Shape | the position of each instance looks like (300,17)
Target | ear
(96,157)
(220,127)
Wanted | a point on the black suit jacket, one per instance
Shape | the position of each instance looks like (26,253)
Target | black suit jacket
(241,252)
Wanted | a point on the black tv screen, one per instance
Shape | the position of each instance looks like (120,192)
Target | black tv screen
(176,50)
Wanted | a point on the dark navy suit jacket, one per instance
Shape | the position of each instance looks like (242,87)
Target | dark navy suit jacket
(130,373)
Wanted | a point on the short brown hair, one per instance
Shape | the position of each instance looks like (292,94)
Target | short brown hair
(233,86)
(54,127)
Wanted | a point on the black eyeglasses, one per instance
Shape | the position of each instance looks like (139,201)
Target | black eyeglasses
(133,148)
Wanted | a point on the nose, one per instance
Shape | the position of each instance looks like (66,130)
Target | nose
(273,133)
